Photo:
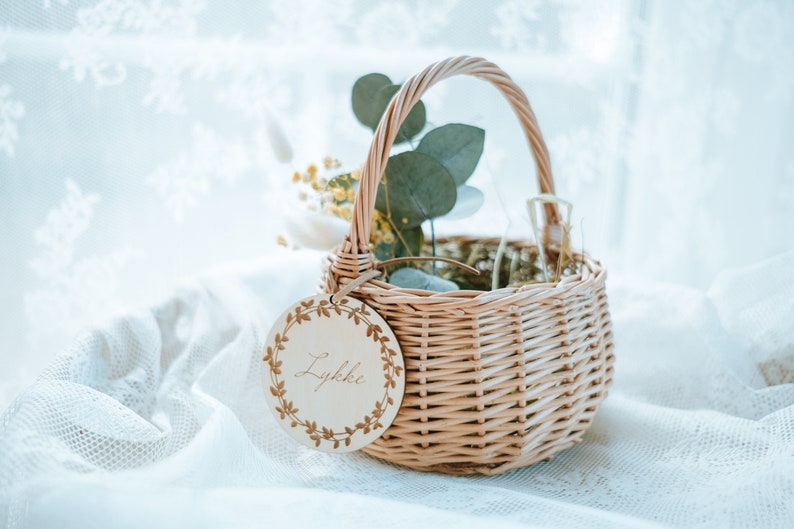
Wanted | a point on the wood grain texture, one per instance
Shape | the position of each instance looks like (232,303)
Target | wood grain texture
(332,373)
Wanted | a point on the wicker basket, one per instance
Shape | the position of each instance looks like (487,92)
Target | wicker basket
(495,380)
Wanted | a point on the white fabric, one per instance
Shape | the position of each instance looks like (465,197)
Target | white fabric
(137,148)
(136,135)
(158,419)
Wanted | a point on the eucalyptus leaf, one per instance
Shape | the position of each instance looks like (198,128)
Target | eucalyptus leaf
(458,147)
(414,239)
(414,278)
(366,102)
(417,187)
(470,200)
(414,122)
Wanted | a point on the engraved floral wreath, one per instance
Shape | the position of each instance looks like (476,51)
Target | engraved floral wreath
(286,408)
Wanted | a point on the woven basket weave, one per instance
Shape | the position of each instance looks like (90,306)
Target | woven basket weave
(495,380)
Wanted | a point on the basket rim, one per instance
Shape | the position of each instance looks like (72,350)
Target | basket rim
(593,271)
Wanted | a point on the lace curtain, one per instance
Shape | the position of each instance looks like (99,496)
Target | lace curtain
(144,141)
(147,142)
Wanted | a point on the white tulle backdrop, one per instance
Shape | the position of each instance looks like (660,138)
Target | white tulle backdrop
(135,148)
(144,142)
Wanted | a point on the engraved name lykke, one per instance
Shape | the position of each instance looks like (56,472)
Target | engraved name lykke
(342,373)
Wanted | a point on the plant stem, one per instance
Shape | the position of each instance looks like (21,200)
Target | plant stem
(399,235)
(433,242)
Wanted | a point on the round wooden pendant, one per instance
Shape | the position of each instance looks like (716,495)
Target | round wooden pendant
(333,373)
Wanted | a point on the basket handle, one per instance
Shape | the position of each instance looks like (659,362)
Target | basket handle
(353,257)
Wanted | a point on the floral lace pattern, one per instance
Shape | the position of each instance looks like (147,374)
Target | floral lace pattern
(210,109)
(72,289)
(142,141)
(11,111)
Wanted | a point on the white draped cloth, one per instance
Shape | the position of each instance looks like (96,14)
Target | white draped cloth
(138,147)
(158,419)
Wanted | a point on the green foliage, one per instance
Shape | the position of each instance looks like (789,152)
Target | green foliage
(407,242)
(469,201)
(365,94)
(372,94)
(414,278)
(416,188)
(343,182)
(458,147)
(414,122)
(419,185)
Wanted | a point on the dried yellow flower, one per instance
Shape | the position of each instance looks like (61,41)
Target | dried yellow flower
(346,211)
(339,194)
(331,163)
(281,240)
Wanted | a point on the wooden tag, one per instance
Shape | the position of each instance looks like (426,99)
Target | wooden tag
(333,373)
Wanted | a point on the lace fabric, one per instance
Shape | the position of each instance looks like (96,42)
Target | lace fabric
(137,145)
(158,419)
(136,149)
